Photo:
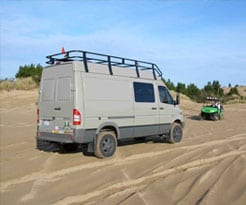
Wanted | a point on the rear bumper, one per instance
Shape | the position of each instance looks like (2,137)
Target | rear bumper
(78,136)
(54,137)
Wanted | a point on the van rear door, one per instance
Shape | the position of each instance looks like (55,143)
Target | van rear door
(56,99)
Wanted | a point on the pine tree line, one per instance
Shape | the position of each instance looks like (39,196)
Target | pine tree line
(212,89)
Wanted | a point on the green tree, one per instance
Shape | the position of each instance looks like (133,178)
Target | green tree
(209,89)
(213,89)
(218,91)
(181,88)
(169,84)
(31,70)
(193,92)
(233,91)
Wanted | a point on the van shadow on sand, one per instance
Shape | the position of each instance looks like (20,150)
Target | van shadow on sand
(141,140)
(75,148)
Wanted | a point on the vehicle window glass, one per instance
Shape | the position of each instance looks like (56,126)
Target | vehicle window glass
(164,95)
(63,89)
(144,92)
(48,90)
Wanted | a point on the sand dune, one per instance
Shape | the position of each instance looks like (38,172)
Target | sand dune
(207,167)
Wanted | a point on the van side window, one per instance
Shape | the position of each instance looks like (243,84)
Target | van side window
(144,92)
(164,95)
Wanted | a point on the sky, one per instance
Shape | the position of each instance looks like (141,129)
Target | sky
(191,41)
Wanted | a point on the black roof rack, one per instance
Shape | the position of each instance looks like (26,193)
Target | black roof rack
(85,56)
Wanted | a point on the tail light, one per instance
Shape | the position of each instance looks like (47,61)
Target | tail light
(37,116)
(76,117)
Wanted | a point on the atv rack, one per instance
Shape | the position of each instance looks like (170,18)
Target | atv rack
(85,56)
(212,99)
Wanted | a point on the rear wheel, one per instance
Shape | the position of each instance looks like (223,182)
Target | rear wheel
(176,133)
(106,144)
(216,116)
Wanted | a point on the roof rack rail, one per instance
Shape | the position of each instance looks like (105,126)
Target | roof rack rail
(85,56)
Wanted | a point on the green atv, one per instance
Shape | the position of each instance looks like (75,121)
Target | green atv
(213,110)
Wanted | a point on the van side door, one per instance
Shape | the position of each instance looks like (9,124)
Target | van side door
(166,109)
(146,111)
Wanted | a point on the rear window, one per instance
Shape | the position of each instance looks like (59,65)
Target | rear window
(56,89)
(48,90)
(63,89)
(144,92)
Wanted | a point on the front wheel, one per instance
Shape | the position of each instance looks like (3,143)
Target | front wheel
(176,133)
(202,116)
(106,144)
(216,117)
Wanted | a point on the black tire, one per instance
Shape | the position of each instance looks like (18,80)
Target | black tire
(106,144)
(215,117)
(176,133)
(202,116)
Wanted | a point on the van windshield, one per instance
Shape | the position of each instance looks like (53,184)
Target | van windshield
(164,95)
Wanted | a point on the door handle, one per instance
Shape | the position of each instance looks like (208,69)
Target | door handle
(57,108)
(161,108)
(154,108)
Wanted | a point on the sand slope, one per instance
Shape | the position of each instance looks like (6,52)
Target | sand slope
(207,167)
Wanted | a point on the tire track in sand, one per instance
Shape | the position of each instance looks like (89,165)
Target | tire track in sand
(197,164)
(41,181)
(108,162)
(202,185)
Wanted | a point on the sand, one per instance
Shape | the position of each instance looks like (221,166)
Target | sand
(207,167)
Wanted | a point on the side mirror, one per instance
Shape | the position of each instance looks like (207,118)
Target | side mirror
(177,99)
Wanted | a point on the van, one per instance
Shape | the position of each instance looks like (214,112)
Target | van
(94,99)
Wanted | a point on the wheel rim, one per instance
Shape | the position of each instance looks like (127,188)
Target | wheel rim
(107,145)
(177,134)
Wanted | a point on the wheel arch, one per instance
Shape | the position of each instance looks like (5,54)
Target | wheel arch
(109,126)
(179,122)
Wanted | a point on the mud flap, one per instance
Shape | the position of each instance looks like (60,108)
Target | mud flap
(91,147)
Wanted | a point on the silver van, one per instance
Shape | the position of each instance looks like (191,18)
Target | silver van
(94,99)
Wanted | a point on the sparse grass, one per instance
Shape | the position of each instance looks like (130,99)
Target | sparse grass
(18,84)
(6,85)
(182,96)
(236,100)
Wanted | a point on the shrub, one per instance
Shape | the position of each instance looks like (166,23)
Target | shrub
(31,70)
(233,91)
(25,84)
(6,85)
(18,84)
